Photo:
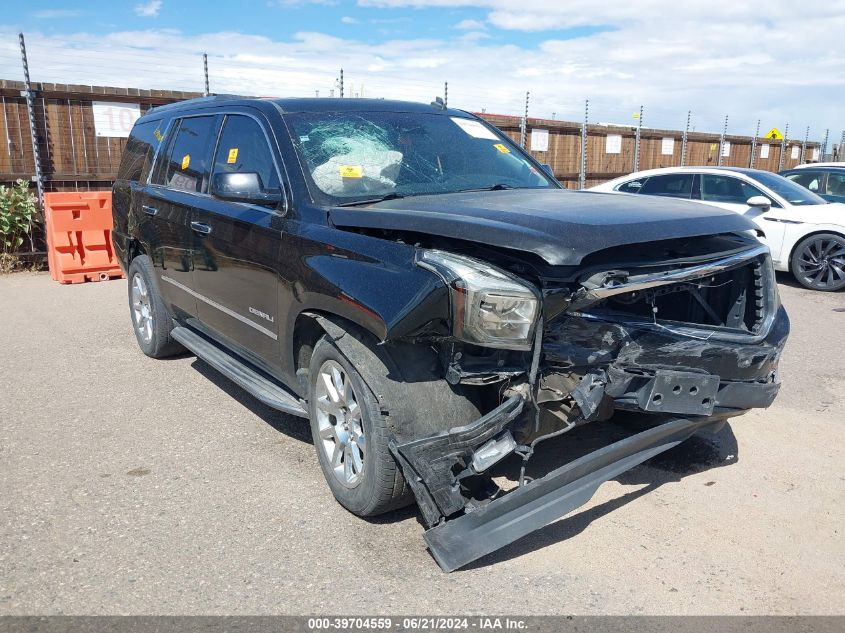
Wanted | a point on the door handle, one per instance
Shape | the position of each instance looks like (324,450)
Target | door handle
(199,227)
(149,210)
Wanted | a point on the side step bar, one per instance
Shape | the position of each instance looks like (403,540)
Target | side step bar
(267,391)
(459,541)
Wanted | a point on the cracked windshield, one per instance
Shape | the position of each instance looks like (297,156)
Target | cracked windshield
(364,156)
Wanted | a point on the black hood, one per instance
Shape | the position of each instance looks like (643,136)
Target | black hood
(560,226)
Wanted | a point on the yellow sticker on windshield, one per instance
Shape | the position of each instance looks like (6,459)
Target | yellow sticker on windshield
(186,161)
(158,135)
(233,156)
(351,171)
(502,148)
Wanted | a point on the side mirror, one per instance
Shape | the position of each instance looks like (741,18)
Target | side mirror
(759,201)
(549,170)
(243,186)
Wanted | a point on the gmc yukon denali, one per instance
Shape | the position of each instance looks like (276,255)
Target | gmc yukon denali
(426,294)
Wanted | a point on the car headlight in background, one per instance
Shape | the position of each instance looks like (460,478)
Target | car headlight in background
(490,307)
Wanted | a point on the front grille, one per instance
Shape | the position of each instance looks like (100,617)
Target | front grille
(735,299)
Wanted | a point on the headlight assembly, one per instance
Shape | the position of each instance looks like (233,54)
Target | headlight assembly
(490,307)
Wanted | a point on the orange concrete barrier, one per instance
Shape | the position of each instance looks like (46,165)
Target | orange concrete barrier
(79,246)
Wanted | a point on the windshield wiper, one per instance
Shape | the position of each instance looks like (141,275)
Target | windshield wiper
(355,203)
(500,186)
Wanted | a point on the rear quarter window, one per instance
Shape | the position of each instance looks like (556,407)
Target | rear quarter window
(139,151)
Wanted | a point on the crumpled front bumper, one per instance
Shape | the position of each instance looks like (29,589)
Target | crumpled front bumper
(457,542)
(671,377)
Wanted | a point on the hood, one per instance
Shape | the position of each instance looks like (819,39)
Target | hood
(560,226)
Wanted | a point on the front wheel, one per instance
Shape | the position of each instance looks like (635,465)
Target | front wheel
(818,262)
(351,436)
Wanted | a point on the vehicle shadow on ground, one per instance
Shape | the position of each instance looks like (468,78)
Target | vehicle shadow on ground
(704,451)
(291,425)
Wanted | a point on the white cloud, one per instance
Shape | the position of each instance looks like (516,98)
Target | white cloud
(348,20)
(775,61)
(470,25)
(56,14)
(148,9)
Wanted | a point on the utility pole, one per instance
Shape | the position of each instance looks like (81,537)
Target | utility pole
(823,151)
(754,146)
(722,141)
(783,147)
(205,71)
(637,141)
(341,83)
(684,140)
(804,145)
(582,173)
(33,133)
(446,94)
(841,155)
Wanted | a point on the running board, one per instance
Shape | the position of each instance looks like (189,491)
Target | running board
(459,541)
(270,393)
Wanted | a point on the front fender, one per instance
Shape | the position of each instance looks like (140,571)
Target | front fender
(384,292)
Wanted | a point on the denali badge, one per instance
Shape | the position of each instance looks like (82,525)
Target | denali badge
(263,315)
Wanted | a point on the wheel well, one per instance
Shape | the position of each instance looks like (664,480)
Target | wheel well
(801,241)
(135,249)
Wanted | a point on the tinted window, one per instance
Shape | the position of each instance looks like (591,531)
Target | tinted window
(632,186)
(791,192)
(726,189)
(186,167)
(243,147)
(835,184)
(675,185)
(805,178)
(140,148)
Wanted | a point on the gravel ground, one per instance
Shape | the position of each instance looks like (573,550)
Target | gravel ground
(135,486)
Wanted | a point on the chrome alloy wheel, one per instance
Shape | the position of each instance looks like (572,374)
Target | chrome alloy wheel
(142,311)
(822,262)
(340,424)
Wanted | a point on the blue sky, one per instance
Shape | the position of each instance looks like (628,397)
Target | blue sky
(343,18)
(773,60)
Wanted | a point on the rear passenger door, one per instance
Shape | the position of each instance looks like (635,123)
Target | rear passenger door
(179,180)
(236,263)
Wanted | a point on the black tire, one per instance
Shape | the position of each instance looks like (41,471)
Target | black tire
(380,486)
(151,322)
(818,262)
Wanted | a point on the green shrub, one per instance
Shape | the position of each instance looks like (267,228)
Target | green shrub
(18,214)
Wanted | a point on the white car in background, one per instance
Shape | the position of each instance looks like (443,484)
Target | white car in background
(805,233)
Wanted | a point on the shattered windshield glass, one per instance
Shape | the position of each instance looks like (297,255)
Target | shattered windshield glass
(353,156)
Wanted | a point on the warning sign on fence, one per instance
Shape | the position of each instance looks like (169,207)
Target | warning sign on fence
(115,119)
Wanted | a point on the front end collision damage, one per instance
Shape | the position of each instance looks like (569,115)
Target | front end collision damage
(594,351)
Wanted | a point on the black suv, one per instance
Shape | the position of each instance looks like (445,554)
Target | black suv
(426,294)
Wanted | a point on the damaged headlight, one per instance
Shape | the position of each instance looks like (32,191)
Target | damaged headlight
(489,306)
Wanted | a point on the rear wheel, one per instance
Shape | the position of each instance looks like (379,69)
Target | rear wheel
(151,321)
(818,262)
(351,435)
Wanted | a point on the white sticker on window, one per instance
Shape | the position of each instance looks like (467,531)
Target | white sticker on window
(474,128)
(613,144)
(667,147)
(764,150)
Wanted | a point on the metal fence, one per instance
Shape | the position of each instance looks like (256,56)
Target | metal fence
(51,138)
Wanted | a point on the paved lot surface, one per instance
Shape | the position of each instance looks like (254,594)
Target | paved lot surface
(129,485)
